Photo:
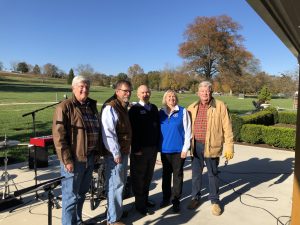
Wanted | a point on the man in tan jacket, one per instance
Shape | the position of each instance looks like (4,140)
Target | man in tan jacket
(211,128)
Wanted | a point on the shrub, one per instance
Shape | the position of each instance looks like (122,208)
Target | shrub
(279,137)
(274,136)
(237,123)
(251,133)
(274,111)
(287,117)
(262,117)
(264,95)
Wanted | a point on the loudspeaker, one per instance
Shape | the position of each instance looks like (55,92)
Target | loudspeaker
(41,157)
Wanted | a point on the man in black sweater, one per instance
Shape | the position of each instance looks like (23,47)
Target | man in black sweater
(144,119)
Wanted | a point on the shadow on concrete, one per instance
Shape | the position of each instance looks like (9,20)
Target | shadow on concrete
(236,179)
(243,176)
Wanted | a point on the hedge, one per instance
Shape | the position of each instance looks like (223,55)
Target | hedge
(251,133)
(274,111)
(237,123)
(264,117)
(274,136)
(279,137)
(287,117)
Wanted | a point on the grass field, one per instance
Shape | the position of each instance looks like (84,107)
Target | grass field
(17,89)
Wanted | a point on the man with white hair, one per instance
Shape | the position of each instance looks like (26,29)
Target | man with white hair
(211,128)
(77,138)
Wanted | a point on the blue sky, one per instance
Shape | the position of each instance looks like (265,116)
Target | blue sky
(112,35)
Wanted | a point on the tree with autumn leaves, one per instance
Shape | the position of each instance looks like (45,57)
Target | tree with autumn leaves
(213,50)
(214,46)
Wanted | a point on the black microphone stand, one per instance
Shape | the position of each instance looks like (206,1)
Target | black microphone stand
(47,186)
(34,134)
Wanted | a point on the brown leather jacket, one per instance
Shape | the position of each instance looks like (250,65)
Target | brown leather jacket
(219,129)
(68,130)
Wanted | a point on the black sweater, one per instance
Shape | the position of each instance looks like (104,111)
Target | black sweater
(145,127)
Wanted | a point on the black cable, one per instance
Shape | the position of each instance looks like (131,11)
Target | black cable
(258,198)
(40,214)
(287,222)
(19,208)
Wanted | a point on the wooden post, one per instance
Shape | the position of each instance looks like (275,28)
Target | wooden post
(295,218)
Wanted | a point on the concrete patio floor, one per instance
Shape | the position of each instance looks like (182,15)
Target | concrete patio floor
(256,188)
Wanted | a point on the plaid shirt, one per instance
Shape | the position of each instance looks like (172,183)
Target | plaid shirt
(200,124)
(92,126)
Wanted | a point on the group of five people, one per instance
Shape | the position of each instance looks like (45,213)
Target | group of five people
(81,135)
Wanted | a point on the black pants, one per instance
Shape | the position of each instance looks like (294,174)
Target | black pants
(172,163)
(141,172)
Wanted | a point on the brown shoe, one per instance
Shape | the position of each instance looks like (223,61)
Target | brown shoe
(216,209)
(194,203)
(116,223)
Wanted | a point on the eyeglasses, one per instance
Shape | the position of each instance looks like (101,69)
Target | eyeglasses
(126,91)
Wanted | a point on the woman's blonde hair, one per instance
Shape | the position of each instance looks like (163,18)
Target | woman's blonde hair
(165,95)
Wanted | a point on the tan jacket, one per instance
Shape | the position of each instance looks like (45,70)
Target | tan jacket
(68,130)
(219,129)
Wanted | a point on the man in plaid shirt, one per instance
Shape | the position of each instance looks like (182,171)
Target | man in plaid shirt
(211,127)
(77,138)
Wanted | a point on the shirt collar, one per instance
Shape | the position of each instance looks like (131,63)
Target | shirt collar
(176,108)
(146,106)
(87,101)
(142,103)
(212,103)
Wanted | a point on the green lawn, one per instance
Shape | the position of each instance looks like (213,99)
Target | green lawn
(18,89)
(13,90)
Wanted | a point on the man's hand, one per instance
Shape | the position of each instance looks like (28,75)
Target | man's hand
(69,167)
(118,159)
(228,155)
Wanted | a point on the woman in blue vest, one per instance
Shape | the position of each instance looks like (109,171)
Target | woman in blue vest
(175,141)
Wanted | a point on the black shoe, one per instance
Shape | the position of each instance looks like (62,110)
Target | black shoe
(176,207)
(164,203)
(124,214)
(150,204)
(142,211)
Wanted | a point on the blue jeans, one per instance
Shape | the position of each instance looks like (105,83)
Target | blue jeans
(73,188)
(212,171)
(115,177)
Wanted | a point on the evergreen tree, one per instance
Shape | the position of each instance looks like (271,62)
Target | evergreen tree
(264,95)
(36,69)
(70,76)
